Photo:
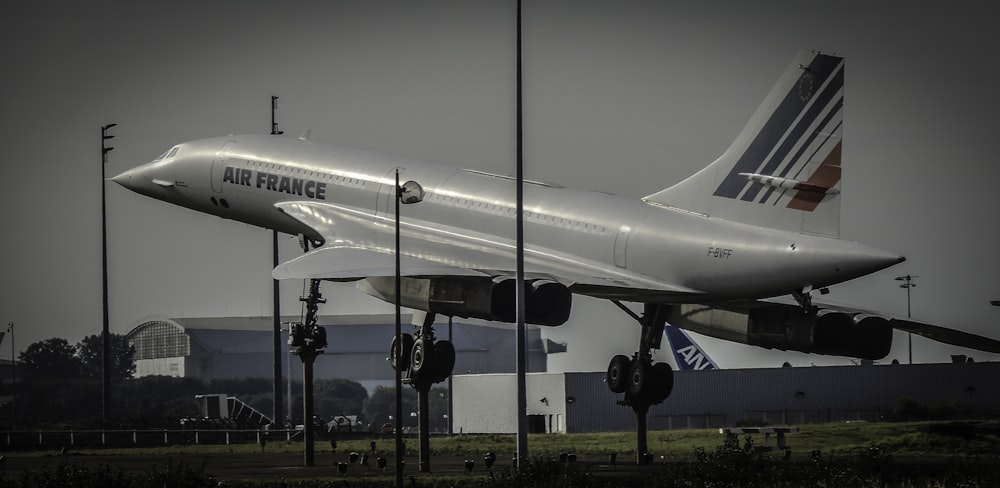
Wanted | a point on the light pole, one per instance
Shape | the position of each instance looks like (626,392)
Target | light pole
(13,378)
(276,412)
(410,192)
(521,351)
(451,390)
(105,333)
(908,283)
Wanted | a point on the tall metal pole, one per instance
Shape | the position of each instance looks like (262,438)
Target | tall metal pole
(13,378)
(423,428)
(908,283)
(522,356)
(308,428)
(290,381)
(288,392)
(276,409)
(277,414)
(105,333)
(398,414)
(451,390)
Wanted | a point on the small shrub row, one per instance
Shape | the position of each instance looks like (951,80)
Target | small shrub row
(729,466)
(110,476)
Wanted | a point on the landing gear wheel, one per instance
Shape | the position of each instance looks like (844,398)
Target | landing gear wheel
(444,361)
(618,373)
(421,358)
(401,358)
(638,377)
(663,382)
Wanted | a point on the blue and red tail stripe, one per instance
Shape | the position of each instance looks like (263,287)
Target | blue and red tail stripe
(806,111)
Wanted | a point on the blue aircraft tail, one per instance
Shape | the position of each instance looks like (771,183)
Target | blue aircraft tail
(687,354)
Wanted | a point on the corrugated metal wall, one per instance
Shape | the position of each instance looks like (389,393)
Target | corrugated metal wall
(716,398)
(820,394)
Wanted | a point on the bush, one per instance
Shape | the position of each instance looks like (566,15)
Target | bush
(907,409)
(109,476)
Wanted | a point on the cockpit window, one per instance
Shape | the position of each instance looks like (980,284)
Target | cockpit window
(169,154)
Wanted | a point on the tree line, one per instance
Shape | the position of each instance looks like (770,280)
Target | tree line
(59,387)
(57,359)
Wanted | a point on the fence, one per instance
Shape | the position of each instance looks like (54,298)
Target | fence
(140,438)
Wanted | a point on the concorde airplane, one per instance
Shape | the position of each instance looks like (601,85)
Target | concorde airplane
(735,251)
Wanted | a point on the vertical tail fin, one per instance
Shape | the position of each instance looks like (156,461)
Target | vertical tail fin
(687,354)
(783,170)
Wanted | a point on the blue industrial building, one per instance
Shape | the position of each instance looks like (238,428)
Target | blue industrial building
(581,402)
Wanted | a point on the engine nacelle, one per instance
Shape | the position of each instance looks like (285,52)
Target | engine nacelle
(546,302)
(827,332)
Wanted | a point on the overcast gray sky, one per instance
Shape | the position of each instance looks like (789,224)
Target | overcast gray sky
(621,97)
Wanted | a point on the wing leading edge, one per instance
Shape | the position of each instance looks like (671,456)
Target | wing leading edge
(946,335)
(359,245)
(344,263)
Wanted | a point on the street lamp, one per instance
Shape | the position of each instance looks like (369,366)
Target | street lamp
(410,192)
(276,406)
(908,283)
(105,333)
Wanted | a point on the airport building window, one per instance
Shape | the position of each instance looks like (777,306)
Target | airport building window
(159,339)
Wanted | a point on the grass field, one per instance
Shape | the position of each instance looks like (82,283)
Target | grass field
(926,454)
(931,439)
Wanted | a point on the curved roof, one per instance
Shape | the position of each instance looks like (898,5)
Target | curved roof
(161,337)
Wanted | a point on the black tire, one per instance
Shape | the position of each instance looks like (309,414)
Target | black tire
(618,373)
(404,358)
(638,378)
(421,359)
(663,382)
(444,361)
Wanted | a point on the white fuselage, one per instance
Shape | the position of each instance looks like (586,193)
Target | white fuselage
(243,177)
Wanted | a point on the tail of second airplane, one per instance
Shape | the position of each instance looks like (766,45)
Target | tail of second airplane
(687,354)
(783,170)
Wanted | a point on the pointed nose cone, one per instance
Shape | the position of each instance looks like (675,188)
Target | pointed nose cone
(139,180)
(124,179)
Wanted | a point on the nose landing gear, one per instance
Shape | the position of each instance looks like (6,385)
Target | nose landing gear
(644,383)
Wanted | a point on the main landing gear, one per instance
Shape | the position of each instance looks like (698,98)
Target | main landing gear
(423,362)
(644,383)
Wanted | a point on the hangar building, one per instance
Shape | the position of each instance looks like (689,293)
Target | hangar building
(242,347)
(581,402)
